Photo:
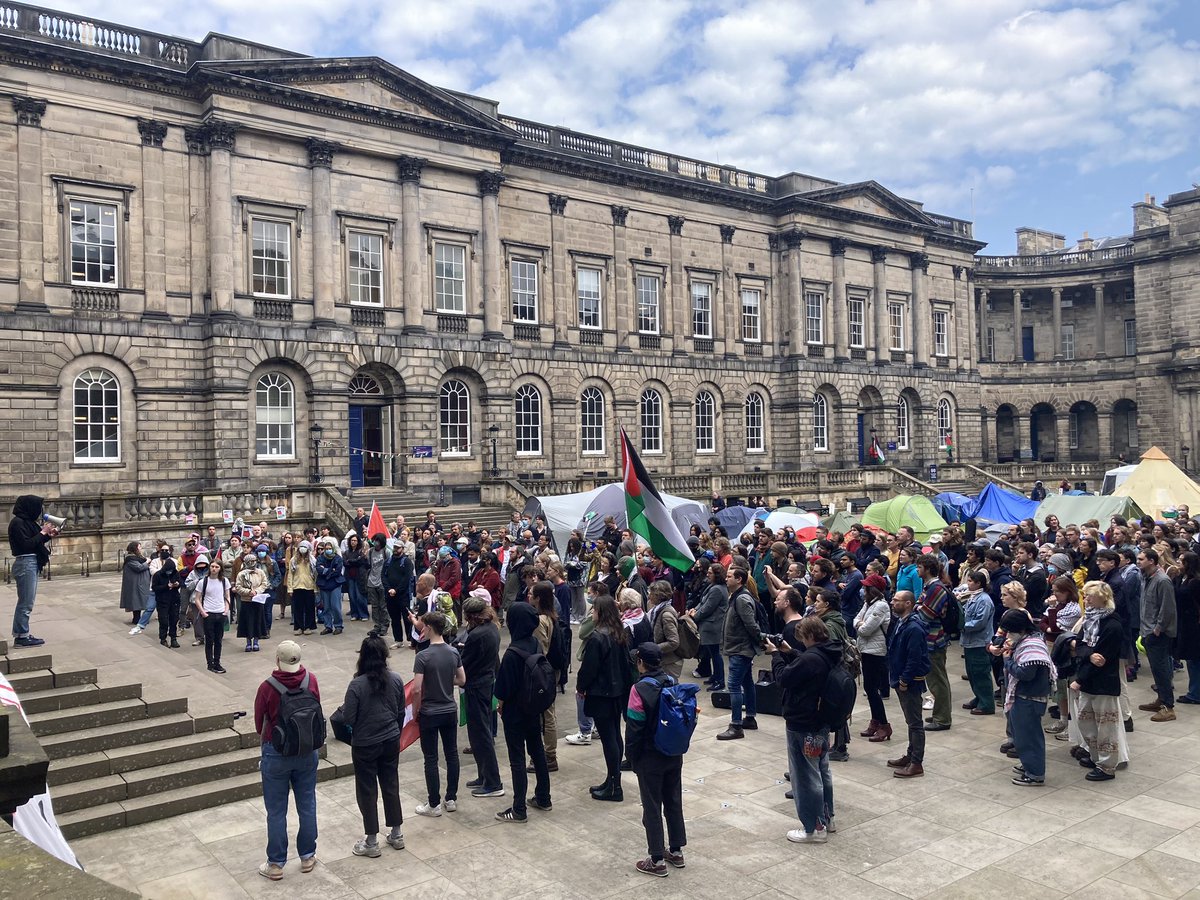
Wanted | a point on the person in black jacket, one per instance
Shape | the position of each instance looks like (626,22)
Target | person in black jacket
(480,659)
(165,584)
(1027,570)
(522,732)
(1098,680)
(397,588)
(29,543)
(603,682)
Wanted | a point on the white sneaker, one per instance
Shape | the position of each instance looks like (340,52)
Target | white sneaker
(450,805)
(136,629)
(800,836)
(831,827)
(579,739)
(424,809)
(927,703)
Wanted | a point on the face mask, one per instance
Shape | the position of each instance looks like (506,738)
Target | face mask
(379,545)
(262,554)
(524,523)
(165,554)
(304,550)
(329,553)
(202,569)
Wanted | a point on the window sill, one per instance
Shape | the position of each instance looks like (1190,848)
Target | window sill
(454,455)
(106,464)
(275,461)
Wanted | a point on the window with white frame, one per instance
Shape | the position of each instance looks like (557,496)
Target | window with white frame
(97,420)
(647,304)
(756,439)
(1130,337)
(651,421)
(858,320)
(454,419)
(702,309)
(941,333)
(527,410)
(1073,430)
(752,315)
(706,423)
(902,424)
(1068,342)
(270,258)
(591,422)
(93,235)
(896,324)
(450,277)
(820,422)
(364,267)
(274,417)
(991,343)
(588,295)
(523,278)
(945,416)
(814,317)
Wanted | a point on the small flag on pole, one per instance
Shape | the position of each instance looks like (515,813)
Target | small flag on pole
(875,454)
(648,516)
(376,525)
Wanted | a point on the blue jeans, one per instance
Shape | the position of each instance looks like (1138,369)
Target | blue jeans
(279,775)
(151,605)
(358,600)
(25,574)
(812,784)
(712,652)
(584,720)
(741,688)
(1025,717)
(1193,691)
(331,607)
(1158,654)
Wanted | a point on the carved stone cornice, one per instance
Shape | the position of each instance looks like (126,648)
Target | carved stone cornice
(919,261)
(958,272)
(879,254)
(793,239)
(196,140)
(408,168)
(489,183)
(838,246)
(152,131)
(619,214)
(320,153)
(727,232)
(675,223)
(558,204)
(29,110)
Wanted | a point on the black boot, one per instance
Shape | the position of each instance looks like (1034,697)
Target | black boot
(610,790)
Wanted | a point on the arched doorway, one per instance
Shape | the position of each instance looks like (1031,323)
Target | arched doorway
(1006,434)
(1043,437)
(870,422)
(374,460)
(1083,432)
(1125,429)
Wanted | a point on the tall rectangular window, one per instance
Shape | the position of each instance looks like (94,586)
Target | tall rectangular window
(701,309)
(896,325)
(941,333)
(93,243)
(523,275)
(1073,430)
(450,278)
(1130,337)
(588,295)
(271,258)
(991,343)
(647,304)
(364,264)
(1068,342)
(858,318)
(814,317)
(752,315)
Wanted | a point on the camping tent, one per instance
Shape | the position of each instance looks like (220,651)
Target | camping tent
(995,504)
(1159,484)
(802,523)
(734,518)
(952,506)
(840,521)
(1114,478)
(915,511)
(587,509)
(1077,510)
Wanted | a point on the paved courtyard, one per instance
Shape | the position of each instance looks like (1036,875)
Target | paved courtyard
(962,831)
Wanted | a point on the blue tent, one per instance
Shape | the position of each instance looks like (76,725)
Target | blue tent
(952,507)
(995,504)
(734,518)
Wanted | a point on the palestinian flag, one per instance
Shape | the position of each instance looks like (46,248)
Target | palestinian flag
(410,731)
(647,515)
(875,454)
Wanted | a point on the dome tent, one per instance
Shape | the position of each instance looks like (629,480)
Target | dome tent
(1158,484)
(913,510)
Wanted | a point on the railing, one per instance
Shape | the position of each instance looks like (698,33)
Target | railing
(649,342)
(452,324)
(95,300)
(162,509)
(702,345)
(790,480)
(79,514)
(96,35)
(275,310)
(1055,260)
(527,333)
(361,317)
(908,484)
(590,336)
(960,227)
(256,506)
(990,476)
(338,511)
(753,349)
(1049,473)
(685,485)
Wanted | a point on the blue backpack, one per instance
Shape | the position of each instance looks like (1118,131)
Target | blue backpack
(676,716)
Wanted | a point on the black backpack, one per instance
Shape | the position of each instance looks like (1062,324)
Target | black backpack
(836,700)
(538,687)
(952,613)
(300,725)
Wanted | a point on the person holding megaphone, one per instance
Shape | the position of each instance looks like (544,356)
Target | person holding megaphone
(29,535)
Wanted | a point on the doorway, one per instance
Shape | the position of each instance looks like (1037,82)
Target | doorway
(366,446)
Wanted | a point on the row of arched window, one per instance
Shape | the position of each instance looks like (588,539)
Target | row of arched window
(903,423)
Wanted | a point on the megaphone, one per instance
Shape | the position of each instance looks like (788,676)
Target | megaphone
(57,521)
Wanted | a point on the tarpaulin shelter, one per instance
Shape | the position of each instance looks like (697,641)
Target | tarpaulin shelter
(997,504)
(952,506)
(586,511)
(1158,484)
(1077,510)
(913,510)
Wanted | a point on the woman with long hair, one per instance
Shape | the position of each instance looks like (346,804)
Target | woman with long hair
(871,625)
(709,616)
(302,580)
(604,680)
(1187,613)
(374,711)
(283,560)
(135,584)
(212,604)
(356,567)
(1097,684)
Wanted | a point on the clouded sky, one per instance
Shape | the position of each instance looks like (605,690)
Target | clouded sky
(1057,115)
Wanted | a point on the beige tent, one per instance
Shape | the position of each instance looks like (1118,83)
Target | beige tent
(1158,484)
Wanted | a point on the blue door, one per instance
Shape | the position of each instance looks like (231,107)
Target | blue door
(862,447)
(356,442)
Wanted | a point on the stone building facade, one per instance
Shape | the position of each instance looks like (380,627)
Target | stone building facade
(211,250)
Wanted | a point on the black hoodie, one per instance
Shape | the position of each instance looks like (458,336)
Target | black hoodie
(522,622)
(802,677)
(25,530)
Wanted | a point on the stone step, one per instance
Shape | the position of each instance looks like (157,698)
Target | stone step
(47,679)
(12,665)
(80,695)
(176,751)
(3,648)
(62,721)
(108,737)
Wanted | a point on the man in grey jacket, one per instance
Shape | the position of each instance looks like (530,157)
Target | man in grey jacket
(741,642)
(1158,633)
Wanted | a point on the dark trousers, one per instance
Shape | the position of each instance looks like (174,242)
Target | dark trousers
(168,618)
(214,633)
(445,726)
(997,669)
(481,730)
(1158,655)
(397,608)
(979,667)
(304,608)
(875,682)
(376,771)
(711,654)
(606,713)
(1025,719)
(910,705)
(524,736)
(660,783)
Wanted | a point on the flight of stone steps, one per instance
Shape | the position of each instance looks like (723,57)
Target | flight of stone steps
(394,503)
(117,759)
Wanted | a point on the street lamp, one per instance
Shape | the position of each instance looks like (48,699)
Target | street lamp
(1185,450)
(316,431)
(494,430)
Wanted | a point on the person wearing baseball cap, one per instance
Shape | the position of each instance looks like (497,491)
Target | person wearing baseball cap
(281,774)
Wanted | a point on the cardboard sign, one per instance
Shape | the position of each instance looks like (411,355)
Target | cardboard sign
(280,513)
(227,516)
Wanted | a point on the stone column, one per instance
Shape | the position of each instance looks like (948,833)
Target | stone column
(623,316)
(839,310)
(556,314)
(773,310)
(793,240)
(1017,355)
(1056,301)
(964,321)
(198,214)
(1018,444)
(408,170)
(220,138)
(882,339)
(31,289)
(493,268)
(983,324)
(1098,288)
(730,303)
(154,227)
(676,293)
(320,164)
(921,325)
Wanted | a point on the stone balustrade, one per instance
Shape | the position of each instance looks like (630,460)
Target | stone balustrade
(96,35)
(1079,258)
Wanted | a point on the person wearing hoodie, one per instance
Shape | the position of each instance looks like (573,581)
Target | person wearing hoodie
(165,584)
(631,578)
(867,551)
(29,544)
(302,582)
(397,580)
(827,605)
(376,559)
(284,774)
(480,653)
(330,578)
(522,732)
(801,675)
(1028,571)
(603,681)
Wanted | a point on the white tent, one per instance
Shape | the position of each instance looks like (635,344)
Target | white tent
(1114,478)
(587,509)
(804,524)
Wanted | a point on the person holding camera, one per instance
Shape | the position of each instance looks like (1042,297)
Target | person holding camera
(29,537)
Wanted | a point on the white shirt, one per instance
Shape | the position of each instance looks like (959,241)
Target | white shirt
(216,595)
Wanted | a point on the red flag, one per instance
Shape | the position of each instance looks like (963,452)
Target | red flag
(376,525)
(411,730)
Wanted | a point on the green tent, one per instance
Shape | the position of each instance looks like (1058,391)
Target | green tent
(1075,510)
(842,520)
(913,510)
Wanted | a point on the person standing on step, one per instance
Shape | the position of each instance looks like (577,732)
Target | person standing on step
(740,642)
(165,585)
(480,653)
(330,577)
(437,671)
(212,600)
(377,559)
(908,662)
(281,774)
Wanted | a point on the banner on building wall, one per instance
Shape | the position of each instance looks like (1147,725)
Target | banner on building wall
(280,513)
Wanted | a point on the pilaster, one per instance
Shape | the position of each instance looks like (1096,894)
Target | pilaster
(154,240)
(220,137)
(880,352)
(408,171)
(556,311)
(793,240)
(839,311)
(493,269)
(624,315)
(320,164)
(921,313)
(31,289)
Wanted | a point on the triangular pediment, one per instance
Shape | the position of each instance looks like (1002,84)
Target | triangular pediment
(870,198)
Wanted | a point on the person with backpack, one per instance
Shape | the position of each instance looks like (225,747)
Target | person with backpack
(815,699)
(873,624)
(212,600)
(941,614)
(549,636)
(659,720)
(282,773)
(740,642)
(374,710)
(525,688)
(827,605)
(908,662)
